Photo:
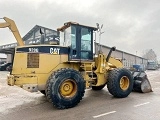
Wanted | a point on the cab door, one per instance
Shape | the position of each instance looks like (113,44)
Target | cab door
(81,43)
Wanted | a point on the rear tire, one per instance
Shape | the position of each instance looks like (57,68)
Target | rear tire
(65,88)
(43,92)
(98,87)
(120,82)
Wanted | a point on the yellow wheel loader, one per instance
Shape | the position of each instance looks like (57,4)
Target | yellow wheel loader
(63,72)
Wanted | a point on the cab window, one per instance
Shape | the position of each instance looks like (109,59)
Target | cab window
(85,39)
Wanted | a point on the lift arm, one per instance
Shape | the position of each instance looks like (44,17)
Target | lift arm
(12,26)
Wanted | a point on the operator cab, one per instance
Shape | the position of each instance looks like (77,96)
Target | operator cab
(79,39)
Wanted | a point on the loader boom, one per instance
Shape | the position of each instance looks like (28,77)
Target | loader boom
(12,26)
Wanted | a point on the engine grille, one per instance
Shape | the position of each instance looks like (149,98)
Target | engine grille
(33,60)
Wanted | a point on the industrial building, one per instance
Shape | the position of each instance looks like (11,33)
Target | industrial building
(42,35)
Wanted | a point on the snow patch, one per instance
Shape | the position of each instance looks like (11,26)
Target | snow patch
(12,97)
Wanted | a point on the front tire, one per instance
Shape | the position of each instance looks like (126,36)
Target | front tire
(65,88)
(120,82)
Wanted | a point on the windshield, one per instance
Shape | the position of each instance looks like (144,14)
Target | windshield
(85,39)
(5,64)
(151,63)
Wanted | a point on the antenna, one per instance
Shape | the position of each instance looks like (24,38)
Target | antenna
(100,33)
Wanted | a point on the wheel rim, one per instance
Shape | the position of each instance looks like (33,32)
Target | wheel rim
(124,83)
(68,88)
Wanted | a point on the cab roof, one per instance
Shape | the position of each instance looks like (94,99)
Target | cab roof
(68,24)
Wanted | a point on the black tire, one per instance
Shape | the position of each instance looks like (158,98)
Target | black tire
(117,89)
(43,92)
(98,87)
(65,88)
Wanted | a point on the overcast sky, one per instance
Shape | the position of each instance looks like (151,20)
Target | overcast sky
(130,25)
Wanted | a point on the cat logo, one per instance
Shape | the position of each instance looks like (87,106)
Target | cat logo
(54,51)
